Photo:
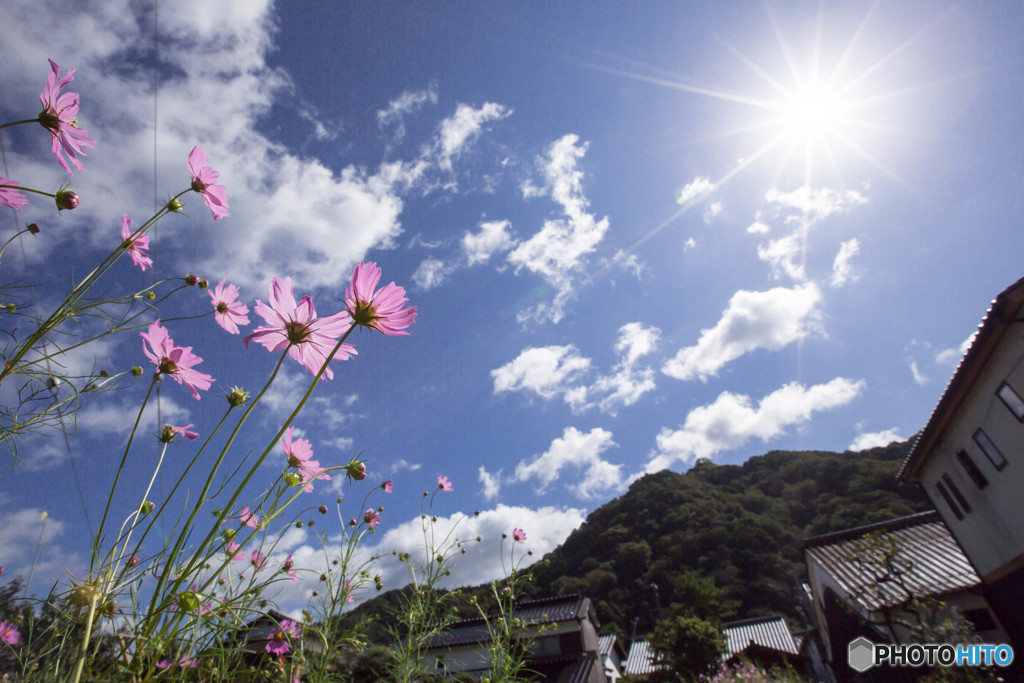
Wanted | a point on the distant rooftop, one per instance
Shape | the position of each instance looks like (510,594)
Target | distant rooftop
(533,612)
(771,631)
(937,564)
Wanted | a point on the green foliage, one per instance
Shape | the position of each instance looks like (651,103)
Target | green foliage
(687,647)
(738,527)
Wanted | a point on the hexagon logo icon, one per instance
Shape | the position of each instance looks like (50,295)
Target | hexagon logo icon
(862,655)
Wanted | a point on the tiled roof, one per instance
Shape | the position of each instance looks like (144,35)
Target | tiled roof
(1005,309)
(937,565)
(639,662)
(534,612)
(767,631)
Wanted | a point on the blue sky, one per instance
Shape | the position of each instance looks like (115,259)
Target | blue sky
(635,234)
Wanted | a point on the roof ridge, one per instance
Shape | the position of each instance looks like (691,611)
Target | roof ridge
(916,519)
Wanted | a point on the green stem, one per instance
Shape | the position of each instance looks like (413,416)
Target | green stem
(124,457)
(30,189)
(15,123)
(83,651)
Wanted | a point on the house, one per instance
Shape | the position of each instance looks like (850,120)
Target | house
(562,635)
(765,641)
(861,580)
(969,458)
(613,654)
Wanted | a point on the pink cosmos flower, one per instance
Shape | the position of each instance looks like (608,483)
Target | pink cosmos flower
(176,361)
(137,248)
(9,196)
(184,431)
(297,328)
(300,455)
(518,535)
(380,310)
(9,633)
(371,517)
(346,588)
(203,179)
(231,550)
(257,558)
(229,312)
(387,486)
(58,117)
(249,518)
(183,661)
(278,643)
(443,483)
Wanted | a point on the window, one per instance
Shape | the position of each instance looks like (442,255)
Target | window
(972,470)
(1012,400)
(980,619)
(949,500)
(986,445)
(956,493)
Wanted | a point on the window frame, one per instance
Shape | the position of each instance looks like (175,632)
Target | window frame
(989,448)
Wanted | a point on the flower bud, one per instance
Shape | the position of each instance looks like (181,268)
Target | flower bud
(322,509)
(133,560)
(85,594)
(292,479)
(188,601)
(11,308)
(174,205)
(191,280)
(150,296)
(356,470)
(33,228)
(203,283)
(65,199)
(299,524)
(147,507)
(136,370)
(109,608)
(237,397)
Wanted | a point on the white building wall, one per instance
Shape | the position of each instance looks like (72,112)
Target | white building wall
(992,533)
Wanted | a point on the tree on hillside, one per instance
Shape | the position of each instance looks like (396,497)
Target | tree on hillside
(687,648)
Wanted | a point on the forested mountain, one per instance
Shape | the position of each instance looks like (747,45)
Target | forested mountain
(739,525)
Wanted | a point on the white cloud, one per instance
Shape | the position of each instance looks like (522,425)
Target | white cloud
(559,249)
(841,266)
(490,482)
(753,320)
(712,211)
(580,451)
(463,127)
(785,255)
(27,530)
(552,371)
(758,228)
(627,383)
(546,528)
(696,189)
(403,464)
(118,416)
(953,356)
(732,420)
(493,237)
(814,205)
(546,371)
(625,261)
(430,273)
(402,106)
(919,377)
(875,439)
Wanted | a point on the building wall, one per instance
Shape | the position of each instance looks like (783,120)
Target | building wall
(991,532)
